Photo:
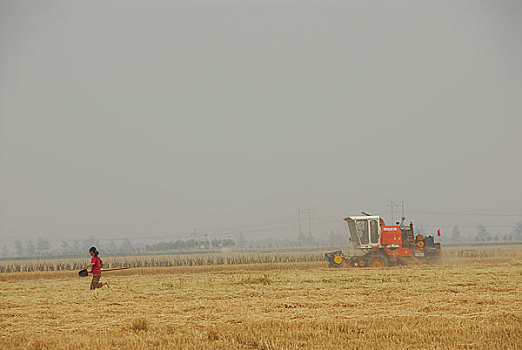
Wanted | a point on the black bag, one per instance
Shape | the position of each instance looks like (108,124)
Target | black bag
(83,273)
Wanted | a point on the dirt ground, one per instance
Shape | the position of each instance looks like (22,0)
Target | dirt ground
(475,304)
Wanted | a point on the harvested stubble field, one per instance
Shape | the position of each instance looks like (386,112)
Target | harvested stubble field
(471,300)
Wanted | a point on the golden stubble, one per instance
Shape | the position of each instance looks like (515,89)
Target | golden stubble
(475,304)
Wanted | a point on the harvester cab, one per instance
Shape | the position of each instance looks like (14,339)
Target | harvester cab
(384,245)
(365,231)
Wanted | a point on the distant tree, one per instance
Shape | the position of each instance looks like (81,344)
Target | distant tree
(301,240)
(508,237)
(241,241)
(288,243)
(4,251)
(30,249)
(482,234)
(227,242)
(455,234)
(110,246)
(312,242)
(64,247)
(517,232)
(19,248)
(216,243)
(88,243)
(42,246)
(77,247)
(138,247)
(337,239)
(126,246)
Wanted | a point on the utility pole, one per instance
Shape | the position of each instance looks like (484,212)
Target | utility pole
(194,238)
(309,223)
(393,205)
(299,220)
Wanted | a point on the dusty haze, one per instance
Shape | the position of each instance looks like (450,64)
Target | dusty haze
(152,118)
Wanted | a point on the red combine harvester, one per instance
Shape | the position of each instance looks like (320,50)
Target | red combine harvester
(384,245)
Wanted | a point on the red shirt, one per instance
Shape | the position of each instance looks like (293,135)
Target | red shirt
(96,268)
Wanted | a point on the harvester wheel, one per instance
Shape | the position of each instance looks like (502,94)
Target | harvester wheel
(378,261)
(420,244)
(362,263)
(338,260)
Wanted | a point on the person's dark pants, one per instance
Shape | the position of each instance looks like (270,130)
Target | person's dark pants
(95,283)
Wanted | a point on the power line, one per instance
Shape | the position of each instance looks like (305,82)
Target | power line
(464,214)
(490,226)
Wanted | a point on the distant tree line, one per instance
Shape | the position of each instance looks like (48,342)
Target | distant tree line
(43,248)
(481,234)
(191,244)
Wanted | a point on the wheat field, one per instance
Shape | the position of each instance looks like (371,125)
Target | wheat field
(471,300)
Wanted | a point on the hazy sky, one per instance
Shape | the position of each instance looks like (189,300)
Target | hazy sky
(151,118)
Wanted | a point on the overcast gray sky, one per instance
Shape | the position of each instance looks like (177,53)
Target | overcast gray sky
(151,118)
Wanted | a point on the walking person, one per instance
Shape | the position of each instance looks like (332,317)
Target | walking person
(96,265)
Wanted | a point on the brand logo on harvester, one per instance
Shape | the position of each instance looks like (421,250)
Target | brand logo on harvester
(389,228)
